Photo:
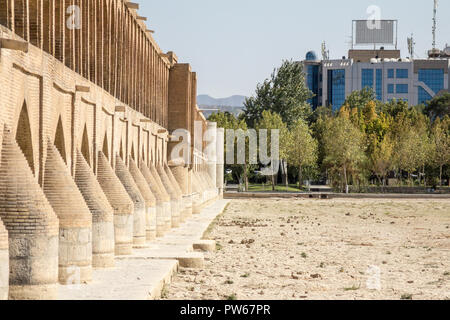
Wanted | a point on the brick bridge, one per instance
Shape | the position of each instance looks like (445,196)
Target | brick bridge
(88,107)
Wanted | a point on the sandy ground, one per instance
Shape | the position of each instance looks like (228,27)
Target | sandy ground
(325,249)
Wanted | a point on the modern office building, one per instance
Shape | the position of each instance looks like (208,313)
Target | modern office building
(391,77)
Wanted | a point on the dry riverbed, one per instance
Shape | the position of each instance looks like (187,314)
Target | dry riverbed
(324,249)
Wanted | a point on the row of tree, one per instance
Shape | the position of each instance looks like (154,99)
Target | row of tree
(365,142)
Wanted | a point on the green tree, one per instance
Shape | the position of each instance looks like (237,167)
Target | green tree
(343,147)
(273,121)
(285,93)
(381,158)
(395,107)
(358,99)
(439,107)
(441,140)
(413,147)
(302,148)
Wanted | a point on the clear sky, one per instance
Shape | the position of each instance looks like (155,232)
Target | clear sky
(234,44)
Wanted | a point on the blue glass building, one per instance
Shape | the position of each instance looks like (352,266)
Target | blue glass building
(336,88)
(434,79)
(416,81)
(313,78)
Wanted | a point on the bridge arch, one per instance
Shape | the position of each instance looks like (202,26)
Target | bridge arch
(105,147)
(85,149)
(121,149)
(59,141)
(24,137)
(133,156)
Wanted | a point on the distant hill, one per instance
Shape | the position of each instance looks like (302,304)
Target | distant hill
(210,105)
(233,101)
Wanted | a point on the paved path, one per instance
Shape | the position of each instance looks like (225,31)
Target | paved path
(144,274)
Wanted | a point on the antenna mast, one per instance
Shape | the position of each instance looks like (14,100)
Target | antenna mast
(411,45)
(325,52)
(434,23)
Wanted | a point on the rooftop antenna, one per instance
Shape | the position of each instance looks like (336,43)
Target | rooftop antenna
(411,45)
(434,23)
(325,52)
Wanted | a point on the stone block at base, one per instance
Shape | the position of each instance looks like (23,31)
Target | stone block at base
(205,245)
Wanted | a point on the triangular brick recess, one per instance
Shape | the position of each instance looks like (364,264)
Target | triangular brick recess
(112,187)
(75,220)
(32,227)
(150,200)
(174,181)
(167,183)
(180,173)
(121,203)
(153,184)
(161,200)
(92,191)
(185,203)
(63,193)
(102,214)
(142,184)
(175,212)
(158,180)
(139,203)
(165,215)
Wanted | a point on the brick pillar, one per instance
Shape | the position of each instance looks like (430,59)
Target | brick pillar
(75,220)
(162,200)
(150,200)
(32,227)
(102,214)
(122,204)
(139,215)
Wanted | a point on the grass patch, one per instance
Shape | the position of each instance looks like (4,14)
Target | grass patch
(268,188)
(229,282)
(232,297)
(246,275)
(304,255)
(406,296)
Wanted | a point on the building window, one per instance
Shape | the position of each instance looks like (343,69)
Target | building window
(367,78)
(402,88)
(402,73)
(312,80)
(336,88)
(424,97)
(391,73)
(379,84)
(433,78)
(391,88)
